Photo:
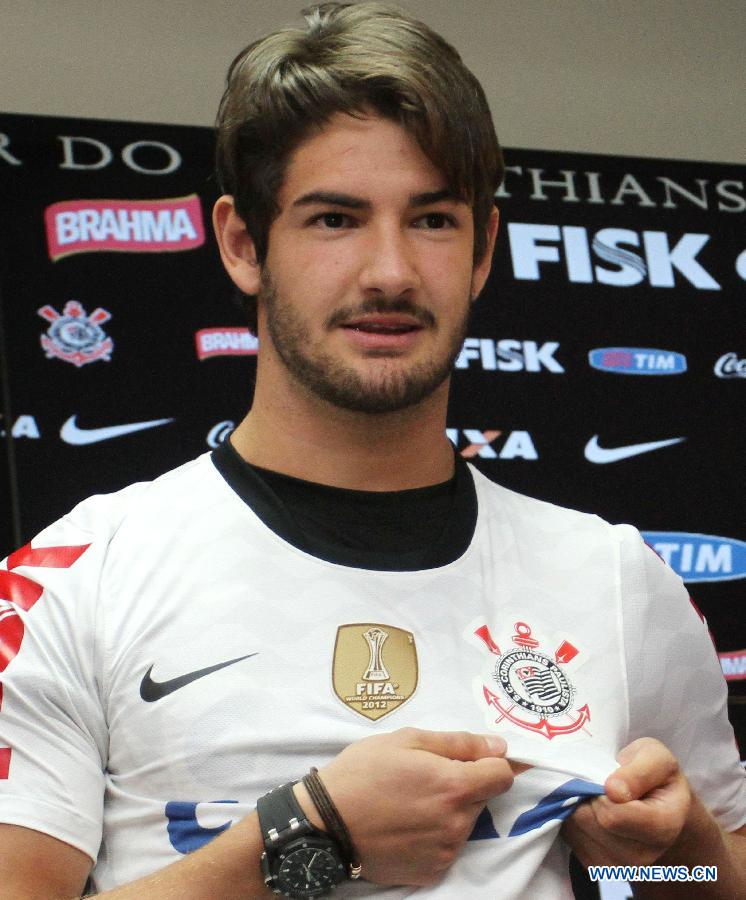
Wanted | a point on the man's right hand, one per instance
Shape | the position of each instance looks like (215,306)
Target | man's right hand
(410,798)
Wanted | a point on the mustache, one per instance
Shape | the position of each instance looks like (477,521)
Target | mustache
(381,305)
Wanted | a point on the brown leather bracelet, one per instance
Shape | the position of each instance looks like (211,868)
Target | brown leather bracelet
(333,821)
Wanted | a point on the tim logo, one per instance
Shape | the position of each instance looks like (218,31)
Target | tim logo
(225,342)
(700,557)
(492,444)
(615,256)
(733,665)
(129,226)
(637,361)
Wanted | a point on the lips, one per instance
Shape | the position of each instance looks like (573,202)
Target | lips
(383,332)
(384,325)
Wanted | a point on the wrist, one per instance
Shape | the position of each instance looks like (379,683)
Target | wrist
(335,826)
(700,833)
(298,860)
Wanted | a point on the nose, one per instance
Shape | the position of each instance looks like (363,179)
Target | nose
(389,265)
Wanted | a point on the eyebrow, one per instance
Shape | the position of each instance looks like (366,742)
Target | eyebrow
(348,201)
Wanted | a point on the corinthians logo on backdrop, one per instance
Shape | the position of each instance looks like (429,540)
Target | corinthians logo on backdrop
(375,668)
(531,689)
(74,336)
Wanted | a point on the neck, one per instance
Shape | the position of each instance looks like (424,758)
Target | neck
(288,430)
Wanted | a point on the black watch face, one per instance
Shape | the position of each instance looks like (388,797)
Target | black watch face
(308,870)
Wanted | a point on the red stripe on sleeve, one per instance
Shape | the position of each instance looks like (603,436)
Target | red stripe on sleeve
(46,557)
(4,762)
(19,590)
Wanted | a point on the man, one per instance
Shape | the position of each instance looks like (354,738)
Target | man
(335,588)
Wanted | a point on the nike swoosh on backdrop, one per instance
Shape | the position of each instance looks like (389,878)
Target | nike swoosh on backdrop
(155,690)
(596,454)
(71,433)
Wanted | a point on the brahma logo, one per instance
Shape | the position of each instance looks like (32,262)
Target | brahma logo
(130,226)
(733,665)
(700,557)
(225,342)
(637,361)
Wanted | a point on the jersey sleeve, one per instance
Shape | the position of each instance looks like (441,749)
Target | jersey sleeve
(53,736)
(677,692)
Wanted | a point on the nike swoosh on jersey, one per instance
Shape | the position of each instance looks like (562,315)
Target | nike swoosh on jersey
(155,690)
(596,454)
(71,433)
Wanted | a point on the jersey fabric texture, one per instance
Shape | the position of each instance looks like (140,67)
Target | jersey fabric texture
(167,658)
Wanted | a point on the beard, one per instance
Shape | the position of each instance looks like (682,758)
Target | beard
(393,387)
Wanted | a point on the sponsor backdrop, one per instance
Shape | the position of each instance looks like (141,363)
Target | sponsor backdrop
(605,367)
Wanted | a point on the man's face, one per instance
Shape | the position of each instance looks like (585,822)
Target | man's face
(369,274)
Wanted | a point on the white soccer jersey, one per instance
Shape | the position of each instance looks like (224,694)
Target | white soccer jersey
(168,659)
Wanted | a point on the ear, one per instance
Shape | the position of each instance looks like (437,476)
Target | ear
(482,269)
(236,246)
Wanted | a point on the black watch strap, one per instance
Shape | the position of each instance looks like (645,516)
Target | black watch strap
(281,816)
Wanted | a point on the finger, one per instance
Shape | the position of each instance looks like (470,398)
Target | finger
(483,779)
(646,765)
(657,819)
(518,767)
(604,822)
(459,745)
(580,832)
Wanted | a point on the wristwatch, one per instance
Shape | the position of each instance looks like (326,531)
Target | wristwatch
(298,859)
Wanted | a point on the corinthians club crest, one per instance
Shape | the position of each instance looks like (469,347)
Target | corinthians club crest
(530,688)
(375,668)
(75,337)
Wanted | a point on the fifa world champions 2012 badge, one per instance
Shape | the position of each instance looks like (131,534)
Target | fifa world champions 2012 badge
(529,688)
(371,679)
(74,336)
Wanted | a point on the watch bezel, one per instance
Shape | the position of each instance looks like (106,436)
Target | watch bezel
(273,866)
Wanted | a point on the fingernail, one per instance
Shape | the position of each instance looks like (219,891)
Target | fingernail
(496,744)
(619,789)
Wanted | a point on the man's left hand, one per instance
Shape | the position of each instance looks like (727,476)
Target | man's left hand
(642,814)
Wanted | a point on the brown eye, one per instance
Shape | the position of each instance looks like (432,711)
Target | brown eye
(334,220)
(436,220)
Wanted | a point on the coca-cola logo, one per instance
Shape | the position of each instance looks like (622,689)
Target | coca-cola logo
(220,432)
(730,366)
